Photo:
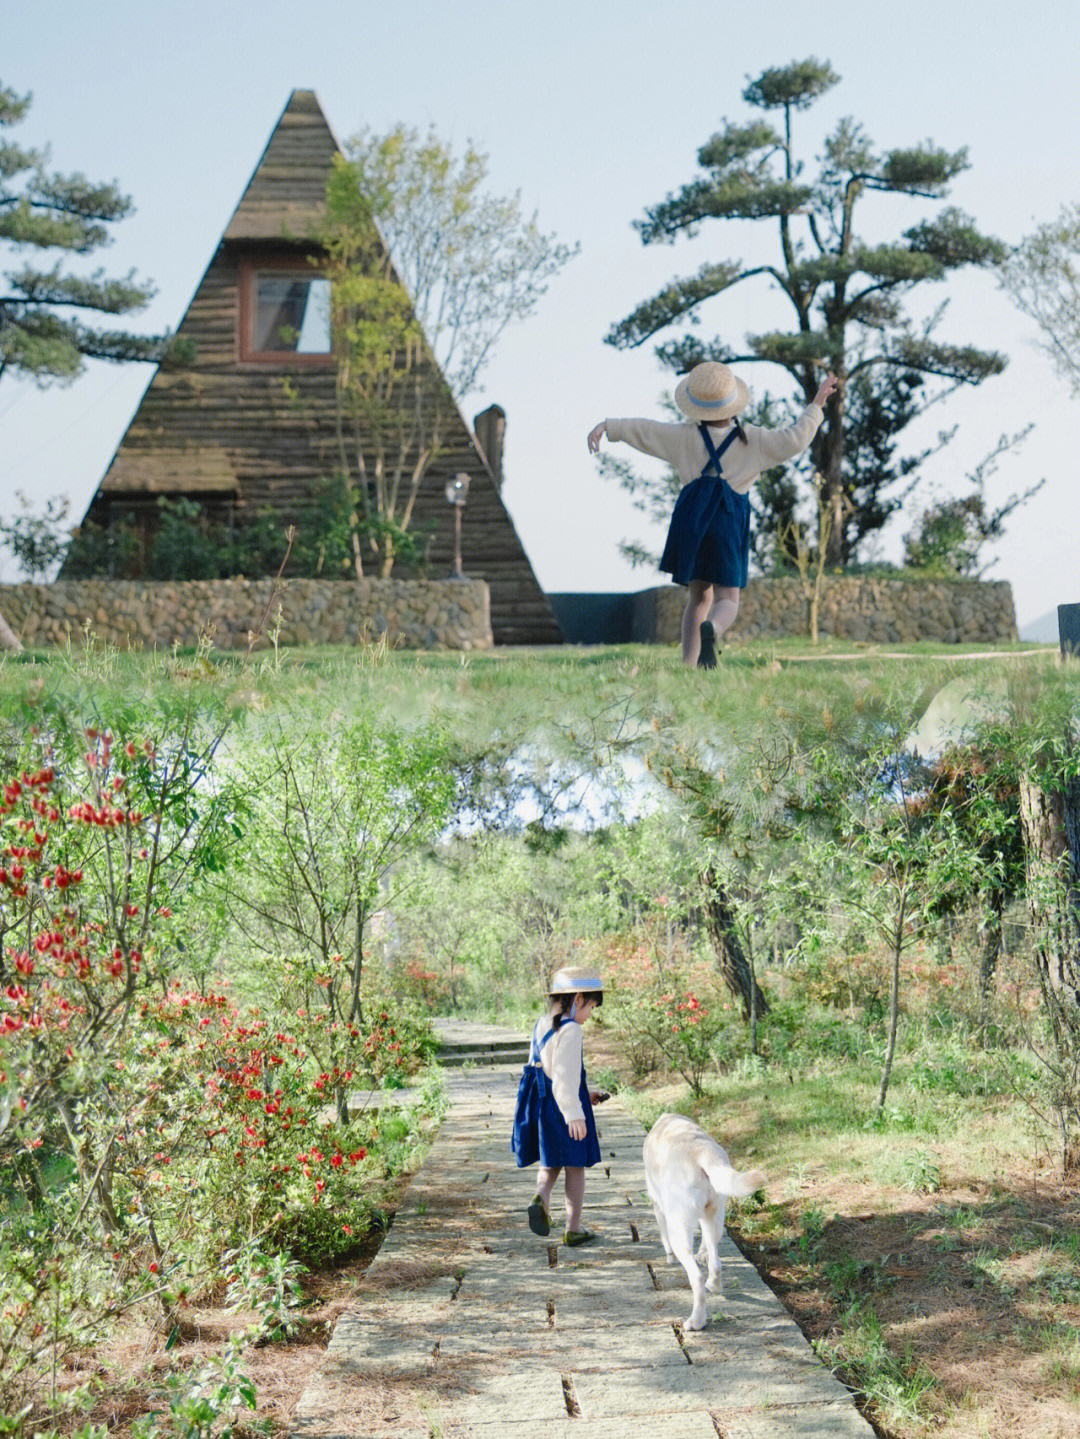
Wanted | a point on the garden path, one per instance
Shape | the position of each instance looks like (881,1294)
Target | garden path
(467,1326)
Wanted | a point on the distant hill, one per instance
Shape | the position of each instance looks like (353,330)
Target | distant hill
(1044,630)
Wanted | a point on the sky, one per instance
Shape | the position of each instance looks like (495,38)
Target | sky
(593,110)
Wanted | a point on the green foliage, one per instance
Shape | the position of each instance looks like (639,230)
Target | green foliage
(897,1385)
(794,86)
(1042,275)
(208,1402)
(922,1172)
(951,534)
(190,544)
(471,262)
(421,263)
(38,334)
(148,1121)
(111,552)
(38,541)
(184,547)
(268,1284)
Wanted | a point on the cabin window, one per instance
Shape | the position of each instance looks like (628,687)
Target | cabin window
(284,312)
(292,315)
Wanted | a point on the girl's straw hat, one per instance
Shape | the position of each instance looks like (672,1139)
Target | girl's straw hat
(711,392)
(576,981)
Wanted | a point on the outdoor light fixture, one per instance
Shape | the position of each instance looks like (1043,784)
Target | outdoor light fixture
(457,491)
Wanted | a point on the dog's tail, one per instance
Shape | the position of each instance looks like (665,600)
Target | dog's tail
(734,1183)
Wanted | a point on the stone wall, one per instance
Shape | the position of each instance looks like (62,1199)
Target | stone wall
(852,608)
(140,614)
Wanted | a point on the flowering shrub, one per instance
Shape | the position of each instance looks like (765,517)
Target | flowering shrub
(426,986)
(678,1024)
(145,1125)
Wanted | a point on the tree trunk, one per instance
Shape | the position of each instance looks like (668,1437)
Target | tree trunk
(731,960)
(9,640)
(829,456)
(356,1006)
(1050,821)
(990,942)
(894,1010)
(1047,818)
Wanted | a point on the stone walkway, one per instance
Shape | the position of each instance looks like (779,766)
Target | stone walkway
(467,1326)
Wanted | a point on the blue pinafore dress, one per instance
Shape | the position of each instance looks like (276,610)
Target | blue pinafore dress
(709,535)
(540,1131)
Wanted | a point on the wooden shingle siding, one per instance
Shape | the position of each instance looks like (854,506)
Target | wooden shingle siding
(228,434)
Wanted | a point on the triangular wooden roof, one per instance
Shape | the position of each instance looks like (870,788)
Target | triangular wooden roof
(225,431)
(286,194)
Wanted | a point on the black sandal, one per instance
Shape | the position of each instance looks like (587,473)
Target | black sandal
(707,657)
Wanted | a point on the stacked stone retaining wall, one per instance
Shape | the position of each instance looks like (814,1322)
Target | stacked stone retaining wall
(133,614)
(852,608)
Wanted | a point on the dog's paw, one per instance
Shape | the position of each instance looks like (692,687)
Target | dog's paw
(714,1284)
(697,1320)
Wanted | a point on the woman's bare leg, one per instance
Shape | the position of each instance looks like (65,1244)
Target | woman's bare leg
(725,606)
(575,1196)
(699,600)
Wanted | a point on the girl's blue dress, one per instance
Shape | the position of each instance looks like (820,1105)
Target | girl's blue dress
(540,1131)
(709,535)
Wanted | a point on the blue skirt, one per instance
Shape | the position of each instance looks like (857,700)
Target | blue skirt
(540,1131)
(709,535)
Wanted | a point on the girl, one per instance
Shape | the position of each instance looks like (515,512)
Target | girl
(554,1119)
(708,543)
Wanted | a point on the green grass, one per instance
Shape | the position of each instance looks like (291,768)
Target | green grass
(584,702)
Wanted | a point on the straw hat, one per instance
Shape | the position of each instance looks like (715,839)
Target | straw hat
(711,392)
(576,981)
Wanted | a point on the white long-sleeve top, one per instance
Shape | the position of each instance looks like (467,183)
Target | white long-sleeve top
(560,1060)
(682,447)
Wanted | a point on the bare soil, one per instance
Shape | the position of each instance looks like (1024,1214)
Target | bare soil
(965,1282)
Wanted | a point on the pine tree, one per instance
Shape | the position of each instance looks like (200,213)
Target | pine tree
(847,295)
(41,332)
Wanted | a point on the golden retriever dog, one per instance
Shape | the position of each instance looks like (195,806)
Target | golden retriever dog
(690,1179)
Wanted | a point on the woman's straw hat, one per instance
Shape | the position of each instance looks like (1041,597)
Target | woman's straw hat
(711,392)
(576,981)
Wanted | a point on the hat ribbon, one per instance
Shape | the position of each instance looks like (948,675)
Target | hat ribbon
(712,404)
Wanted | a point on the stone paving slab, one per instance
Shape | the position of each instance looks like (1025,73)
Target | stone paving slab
(661,1426)
(733,1379)
(468,1326)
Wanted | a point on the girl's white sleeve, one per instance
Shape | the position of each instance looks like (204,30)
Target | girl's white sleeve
(776,446)
(566,1071)
(651,437)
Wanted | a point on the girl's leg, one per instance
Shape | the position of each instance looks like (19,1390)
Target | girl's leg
(575,1196)
(699,599)
(545,1178)
(725,606)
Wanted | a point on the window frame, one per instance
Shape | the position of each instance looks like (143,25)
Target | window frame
(252,267)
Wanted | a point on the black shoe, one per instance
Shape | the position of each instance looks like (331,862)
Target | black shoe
(539,1218)
(707,657)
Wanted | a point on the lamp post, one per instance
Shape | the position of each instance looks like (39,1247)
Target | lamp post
(457,491)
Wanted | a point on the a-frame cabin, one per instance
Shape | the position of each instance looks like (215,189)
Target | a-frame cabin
(223,430)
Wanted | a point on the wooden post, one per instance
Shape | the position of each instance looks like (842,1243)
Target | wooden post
(1069,631)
